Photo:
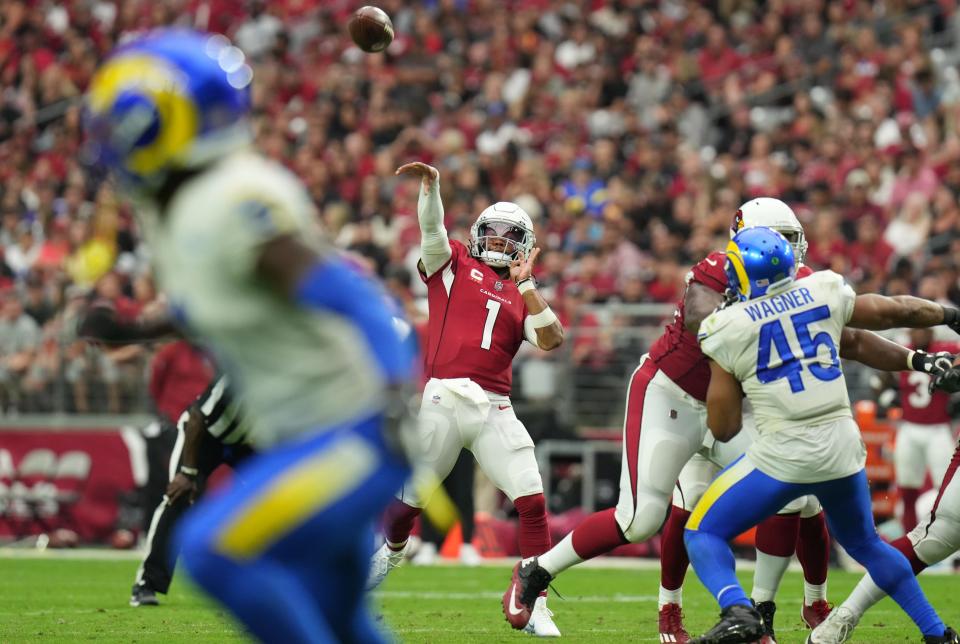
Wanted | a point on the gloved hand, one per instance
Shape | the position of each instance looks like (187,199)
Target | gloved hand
(932,363)
(948,381)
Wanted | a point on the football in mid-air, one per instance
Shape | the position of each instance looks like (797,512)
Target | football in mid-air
(371,29)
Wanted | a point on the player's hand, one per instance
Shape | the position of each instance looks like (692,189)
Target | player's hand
(427,173)
(947,380)
(181,485)
(522,267)
(933,363)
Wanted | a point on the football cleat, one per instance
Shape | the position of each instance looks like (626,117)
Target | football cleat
(541,620)
(949,637)
(671,625)
(427,554)
(767,610)
(383,561)
(143,595)
(835,629)
(738,625)
(528,582)
(814,614)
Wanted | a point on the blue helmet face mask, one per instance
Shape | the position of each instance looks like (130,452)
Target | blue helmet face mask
(172,100)
(759,260)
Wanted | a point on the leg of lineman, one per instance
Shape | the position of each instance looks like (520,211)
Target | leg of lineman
(439,440)
(910,468)
(931,541)
(799,527)
(287,551)
(505,453)
(725,512)
(776,541)
(695,478)
(663,428)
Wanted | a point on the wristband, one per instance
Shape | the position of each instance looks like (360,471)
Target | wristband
(546,317)
(525,285)
(910,361)
(189,471)
(950,315)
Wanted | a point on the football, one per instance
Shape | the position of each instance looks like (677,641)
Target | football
(371,29)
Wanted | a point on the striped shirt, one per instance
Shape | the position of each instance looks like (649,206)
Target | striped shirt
(223,416)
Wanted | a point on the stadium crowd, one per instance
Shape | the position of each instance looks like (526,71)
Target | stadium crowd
(630,131)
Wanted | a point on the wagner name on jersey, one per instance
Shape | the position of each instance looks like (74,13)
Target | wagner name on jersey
(298,369)
(783,348)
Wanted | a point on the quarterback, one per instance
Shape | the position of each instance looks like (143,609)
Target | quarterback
(483,304)
(304,338)
(776,344)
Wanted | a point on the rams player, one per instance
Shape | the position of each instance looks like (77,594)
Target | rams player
(778,345)
(304,337)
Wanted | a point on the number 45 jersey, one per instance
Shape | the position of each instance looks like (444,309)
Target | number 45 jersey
(784,350)
(476,322)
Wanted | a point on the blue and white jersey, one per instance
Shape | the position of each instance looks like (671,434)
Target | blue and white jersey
(784,350)
(295,370)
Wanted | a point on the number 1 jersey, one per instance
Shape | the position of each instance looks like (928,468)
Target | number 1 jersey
(476,322)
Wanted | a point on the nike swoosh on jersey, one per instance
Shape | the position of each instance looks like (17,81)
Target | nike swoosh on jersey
(513,602)
(502,407)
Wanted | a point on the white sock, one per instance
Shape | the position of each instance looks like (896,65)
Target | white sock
(814,592)
(560,557)
(767,576)
(670,597)
(865,595)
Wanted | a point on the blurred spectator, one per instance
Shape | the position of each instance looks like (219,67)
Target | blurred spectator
(19,339)
(630,132)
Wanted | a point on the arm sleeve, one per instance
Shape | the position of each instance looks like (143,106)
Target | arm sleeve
(710,272)
(434,245)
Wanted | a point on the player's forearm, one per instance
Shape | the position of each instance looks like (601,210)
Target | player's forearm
(872,350)
(878,312)
(547,327)
(193,429)
(434,244)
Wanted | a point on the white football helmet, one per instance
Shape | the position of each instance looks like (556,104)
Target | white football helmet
(504,221)
(772,213)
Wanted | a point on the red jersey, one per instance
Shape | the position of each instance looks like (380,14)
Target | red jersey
(677,352)
(919,405)
(178,374)
(476,322)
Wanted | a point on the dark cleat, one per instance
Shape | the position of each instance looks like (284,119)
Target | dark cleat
(767,611)
(738,625)
(143,595)
(949,637)
(528,582)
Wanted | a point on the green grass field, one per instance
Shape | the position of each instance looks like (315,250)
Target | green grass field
(66,600)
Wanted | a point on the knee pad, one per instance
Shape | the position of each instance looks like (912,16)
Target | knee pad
(647,518)
(525,482)
(934,541)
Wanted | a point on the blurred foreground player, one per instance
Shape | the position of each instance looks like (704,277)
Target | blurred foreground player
(306,339)
(483,304)
(776,343)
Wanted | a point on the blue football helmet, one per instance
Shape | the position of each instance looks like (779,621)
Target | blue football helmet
(172,99)
(759,260)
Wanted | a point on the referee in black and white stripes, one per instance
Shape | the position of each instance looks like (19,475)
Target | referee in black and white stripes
(211,432)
